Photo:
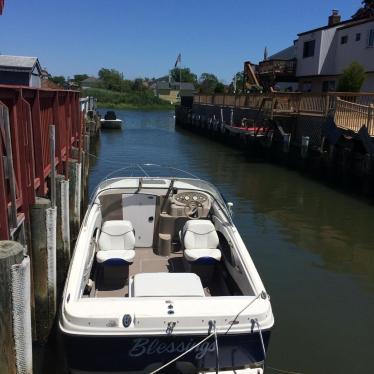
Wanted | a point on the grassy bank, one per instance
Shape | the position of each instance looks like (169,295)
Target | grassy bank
(144,100)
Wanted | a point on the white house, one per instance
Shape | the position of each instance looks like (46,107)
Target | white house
(323,53)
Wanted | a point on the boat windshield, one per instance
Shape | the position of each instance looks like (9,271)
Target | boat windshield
(157,176)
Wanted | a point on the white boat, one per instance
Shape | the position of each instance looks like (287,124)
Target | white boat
(110,121)
(161,281)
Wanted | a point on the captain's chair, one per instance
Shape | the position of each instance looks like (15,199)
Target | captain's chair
(116,243)
(200,241)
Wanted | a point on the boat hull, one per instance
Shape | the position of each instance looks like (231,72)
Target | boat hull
(111,124)
(93,354)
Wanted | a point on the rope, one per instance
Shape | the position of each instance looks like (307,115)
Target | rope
(183,354)
(262,340)
(216,343)
(247,306)
(214,333)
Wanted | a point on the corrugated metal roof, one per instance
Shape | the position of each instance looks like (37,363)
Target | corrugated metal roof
(21,62)
(285,54)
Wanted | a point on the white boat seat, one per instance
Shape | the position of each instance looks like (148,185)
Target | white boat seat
(116,243)
(166,285)
(200,241)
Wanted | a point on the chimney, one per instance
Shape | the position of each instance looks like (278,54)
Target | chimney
(335,18)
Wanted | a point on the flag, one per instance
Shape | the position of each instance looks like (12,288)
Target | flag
(179,59)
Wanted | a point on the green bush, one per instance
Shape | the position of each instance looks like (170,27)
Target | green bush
(130,99)
(352,79)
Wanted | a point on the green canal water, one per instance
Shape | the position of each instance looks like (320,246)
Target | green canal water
(313,246)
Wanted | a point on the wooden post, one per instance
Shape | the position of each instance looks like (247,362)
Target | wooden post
(370,119)
(10,253)
(286,142)
(269,139)
(43,239)
(62,231)
(304,146)
(298,103)
(12,177)
(327,105)
(232,117)
(52,144)
(85,171)
(15,309)
(74,198)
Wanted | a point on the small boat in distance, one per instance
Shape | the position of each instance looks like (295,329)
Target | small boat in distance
(110,121)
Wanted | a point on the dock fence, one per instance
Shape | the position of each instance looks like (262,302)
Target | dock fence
(351,110)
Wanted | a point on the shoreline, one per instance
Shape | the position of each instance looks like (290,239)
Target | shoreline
(136,107)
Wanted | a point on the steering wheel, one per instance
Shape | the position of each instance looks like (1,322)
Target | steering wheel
(191,209)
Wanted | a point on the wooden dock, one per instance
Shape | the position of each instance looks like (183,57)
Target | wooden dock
(45,138)
(350,110)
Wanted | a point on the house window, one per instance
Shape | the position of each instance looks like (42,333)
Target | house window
(358,37)
(371,38)
(328,86)
(309,48)
(344,39)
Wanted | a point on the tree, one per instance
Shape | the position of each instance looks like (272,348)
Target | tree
(237,83)
(80,77)
(138,85)
(59,79)
(112,79)
(352,78)
(208,83)
(367,10)
(185,73)
(220,88)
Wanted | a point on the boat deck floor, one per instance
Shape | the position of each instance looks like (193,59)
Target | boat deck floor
(113,282)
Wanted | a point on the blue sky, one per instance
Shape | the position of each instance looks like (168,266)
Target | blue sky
(143,37)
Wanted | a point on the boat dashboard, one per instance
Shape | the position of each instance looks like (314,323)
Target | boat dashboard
(186,197)
(191,204)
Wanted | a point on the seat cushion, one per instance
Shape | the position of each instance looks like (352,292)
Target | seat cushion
(117,235)
(167,285)
(115,257)
(206,256)
(200,234)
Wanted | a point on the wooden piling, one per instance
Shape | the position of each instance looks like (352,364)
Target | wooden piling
(304,146)
(74,198)
(62,231)
(15,313)
(85,172)
(10,253)
(43,239)
(286,142)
